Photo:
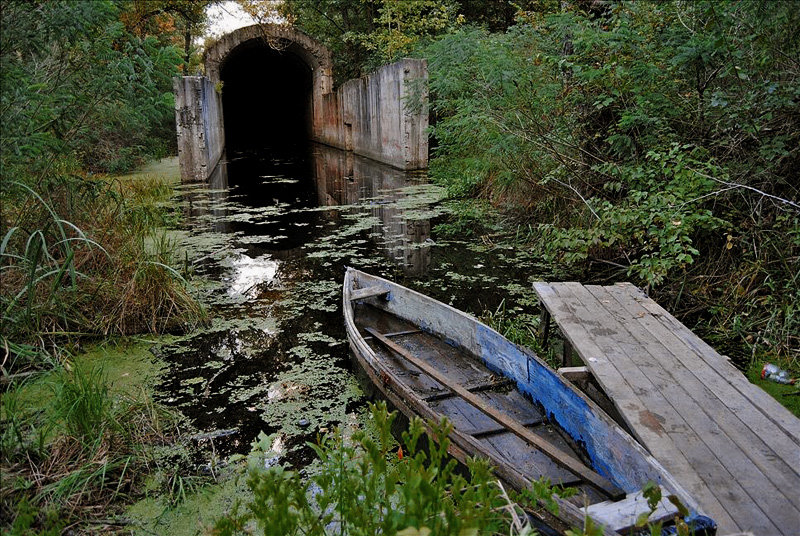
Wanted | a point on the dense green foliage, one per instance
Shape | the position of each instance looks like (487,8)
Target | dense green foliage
(365,485)
(364,34)
(76,84)
(660,140)
(85,86)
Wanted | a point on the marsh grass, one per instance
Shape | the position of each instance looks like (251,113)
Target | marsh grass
(79,456)
(90,258)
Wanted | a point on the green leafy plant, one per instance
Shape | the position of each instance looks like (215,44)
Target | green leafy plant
(366,485)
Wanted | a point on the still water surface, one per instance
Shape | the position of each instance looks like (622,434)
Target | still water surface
(271,236)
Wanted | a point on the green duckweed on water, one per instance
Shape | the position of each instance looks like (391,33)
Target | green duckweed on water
(274,359)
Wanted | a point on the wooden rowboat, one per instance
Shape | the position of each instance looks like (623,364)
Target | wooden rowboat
(431,360)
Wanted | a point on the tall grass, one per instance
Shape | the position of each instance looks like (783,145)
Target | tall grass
(89,258)
(70,460)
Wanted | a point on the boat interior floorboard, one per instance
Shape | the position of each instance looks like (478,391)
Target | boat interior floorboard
(467,371)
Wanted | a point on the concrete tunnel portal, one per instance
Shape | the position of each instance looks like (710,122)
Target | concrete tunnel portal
(270,85)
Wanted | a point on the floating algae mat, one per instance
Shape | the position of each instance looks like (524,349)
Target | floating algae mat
(269,238)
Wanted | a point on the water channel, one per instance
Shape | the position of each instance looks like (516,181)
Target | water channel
(271,235)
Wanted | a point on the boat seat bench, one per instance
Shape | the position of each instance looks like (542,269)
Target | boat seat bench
(733,447)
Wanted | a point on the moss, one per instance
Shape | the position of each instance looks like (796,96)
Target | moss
(127,364)
(195,513)
(166,169)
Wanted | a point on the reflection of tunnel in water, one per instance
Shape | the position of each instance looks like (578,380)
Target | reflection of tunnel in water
(266,97)
(277,185)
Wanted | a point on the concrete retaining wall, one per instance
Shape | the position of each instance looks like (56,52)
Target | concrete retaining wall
(383,116)
(198,120)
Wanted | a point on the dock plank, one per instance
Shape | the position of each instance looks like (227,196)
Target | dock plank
(748,426)
(663,409)
(730,444)
(744,454)
(625,395)
(760,399)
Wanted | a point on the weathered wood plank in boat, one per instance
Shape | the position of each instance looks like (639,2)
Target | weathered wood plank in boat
(511,449)
(734,447)
(474,387)
(496,429)
(363,293)
(558,455)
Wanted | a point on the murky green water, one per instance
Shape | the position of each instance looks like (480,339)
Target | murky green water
(271,236)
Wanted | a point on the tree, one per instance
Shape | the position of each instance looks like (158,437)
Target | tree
(78,84)
(179,22)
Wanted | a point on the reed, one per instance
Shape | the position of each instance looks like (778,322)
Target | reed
(89,258)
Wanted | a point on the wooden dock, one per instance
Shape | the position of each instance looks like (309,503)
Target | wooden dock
(729,443)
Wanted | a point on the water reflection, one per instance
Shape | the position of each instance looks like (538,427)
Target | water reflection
(343,178)
(279,195)
(250,275)
(270,234)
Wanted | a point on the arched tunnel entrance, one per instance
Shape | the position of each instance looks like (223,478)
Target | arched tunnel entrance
(271,85)
(266,105)
(266,98)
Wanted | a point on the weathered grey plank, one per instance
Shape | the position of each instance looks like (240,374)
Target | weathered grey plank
(512,450)
(399,333)
(675,333)
(622,515)
(727,466)
(760,446)
(628,392)
(575,374)
(472,388)
(754,465)
(363,293)
(626,334)
(494,430)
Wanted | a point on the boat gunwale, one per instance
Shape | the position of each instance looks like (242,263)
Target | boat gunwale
(376,370)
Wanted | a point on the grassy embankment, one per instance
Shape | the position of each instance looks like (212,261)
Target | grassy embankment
(86,261)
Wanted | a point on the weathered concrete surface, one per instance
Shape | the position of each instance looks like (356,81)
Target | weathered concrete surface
(383,116)
(284,39)
(198,120)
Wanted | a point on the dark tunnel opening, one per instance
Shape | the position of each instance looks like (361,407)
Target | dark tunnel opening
(266,97)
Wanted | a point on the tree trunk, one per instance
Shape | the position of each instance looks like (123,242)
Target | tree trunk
(187,50)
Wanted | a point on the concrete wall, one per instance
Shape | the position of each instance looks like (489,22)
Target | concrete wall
(383,116)
(198,120)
